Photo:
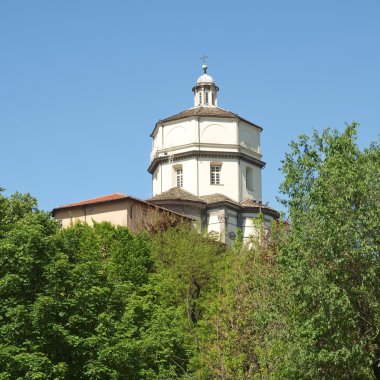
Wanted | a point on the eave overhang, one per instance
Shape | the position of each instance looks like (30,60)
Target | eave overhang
(194,113)
(211,154)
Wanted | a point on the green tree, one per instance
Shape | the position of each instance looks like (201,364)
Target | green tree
(26,246)
(81,302)
(186,269)
(331,261)
(242,323)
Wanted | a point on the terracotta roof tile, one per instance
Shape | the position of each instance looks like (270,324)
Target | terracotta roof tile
(114,197)
(217,197)
(248,203)
(201,111)
(205,111)
(176,193)
(104,198)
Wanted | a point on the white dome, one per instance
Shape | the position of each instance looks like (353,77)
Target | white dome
(205,78)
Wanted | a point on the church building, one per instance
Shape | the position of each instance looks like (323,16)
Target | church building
(206,163)
(206,166)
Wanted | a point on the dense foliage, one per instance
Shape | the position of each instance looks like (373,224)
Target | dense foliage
(300,301)
(97,302)
(331,262)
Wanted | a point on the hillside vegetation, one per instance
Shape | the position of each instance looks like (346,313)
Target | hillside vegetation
(299,302)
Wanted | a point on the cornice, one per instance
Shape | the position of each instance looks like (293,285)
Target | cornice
(204,145)
(226,204)
(261,209)
(182,202)
(202,153)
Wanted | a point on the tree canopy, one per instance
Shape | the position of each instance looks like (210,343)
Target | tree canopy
(300,301)
(331,261)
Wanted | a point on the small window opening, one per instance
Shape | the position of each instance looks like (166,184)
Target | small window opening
(200,98)
(179,176)
(213,99)
(206,98)
(215,174)
(249,178)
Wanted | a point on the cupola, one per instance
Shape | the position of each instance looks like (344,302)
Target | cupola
(205,91)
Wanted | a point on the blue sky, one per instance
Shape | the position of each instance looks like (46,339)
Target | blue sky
(82,83)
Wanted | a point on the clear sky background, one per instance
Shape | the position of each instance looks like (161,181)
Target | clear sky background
(82,83)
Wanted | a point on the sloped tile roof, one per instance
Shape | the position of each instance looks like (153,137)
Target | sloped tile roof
(104,198)
(217,197)
(176,193)
(110,198)
(249,203)
(202,111)
(205,111)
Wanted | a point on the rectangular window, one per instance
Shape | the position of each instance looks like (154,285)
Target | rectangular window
(179,174)
(206,98)
(249,178)
(215,174)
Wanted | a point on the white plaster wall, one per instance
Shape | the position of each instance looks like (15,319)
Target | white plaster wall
(116,213)
(180,133)
(156,142)
(248,227)
(229,178)
(217,148)
(213,223)
(213,134)
(249,136)
(155,182)
(222,227)
(218,131)
(246,193)
(166,176)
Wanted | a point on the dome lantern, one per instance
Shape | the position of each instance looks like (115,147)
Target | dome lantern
(205,91)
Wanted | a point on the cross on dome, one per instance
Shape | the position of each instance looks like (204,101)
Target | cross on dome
(204,66)
(203,58)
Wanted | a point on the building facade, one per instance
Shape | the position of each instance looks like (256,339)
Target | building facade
(118,209)
(206,167)
(206,163)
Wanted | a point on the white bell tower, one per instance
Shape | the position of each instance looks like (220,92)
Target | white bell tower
(207,149)
(206,163)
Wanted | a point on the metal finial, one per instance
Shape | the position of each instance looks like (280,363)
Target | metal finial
(203,58)
(204,66)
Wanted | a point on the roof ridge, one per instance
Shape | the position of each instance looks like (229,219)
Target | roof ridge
(218,197)
(212,111)
(223,109)
(175,193)
(101,198)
